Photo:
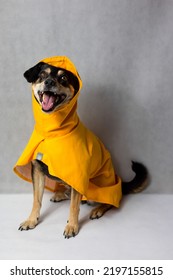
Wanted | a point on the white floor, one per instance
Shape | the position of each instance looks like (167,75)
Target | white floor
(141,229)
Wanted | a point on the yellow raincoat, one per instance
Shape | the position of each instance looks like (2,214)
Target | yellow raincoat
(70,150)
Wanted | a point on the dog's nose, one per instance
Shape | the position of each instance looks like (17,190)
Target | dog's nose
(49,82)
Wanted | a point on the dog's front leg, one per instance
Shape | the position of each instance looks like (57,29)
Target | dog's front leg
(72,226)
(38,179)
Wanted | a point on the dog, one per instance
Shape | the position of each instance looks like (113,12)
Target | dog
(55,87)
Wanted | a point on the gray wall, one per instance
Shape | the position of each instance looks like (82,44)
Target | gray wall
(123,52)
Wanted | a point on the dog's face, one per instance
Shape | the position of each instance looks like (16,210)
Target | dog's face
(53,87)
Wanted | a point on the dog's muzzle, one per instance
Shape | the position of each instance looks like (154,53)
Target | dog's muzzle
(50,100)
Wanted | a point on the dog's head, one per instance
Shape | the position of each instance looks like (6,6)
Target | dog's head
(53,87)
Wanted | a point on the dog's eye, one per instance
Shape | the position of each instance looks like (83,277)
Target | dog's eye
(63,80)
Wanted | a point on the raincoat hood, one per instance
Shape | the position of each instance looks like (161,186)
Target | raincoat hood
(70,150)
(65,118)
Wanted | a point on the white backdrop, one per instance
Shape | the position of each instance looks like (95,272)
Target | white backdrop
(123,52)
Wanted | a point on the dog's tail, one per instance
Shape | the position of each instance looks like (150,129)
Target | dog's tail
(139,182)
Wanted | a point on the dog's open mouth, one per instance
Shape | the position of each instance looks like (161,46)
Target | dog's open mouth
(49,100)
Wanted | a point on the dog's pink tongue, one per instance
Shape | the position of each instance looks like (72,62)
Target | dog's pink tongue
(48,101)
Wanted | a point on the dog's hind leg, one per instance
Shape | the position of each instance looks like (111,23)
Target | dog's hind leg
(38,179)
(72,226)
(99,211)
(63,193)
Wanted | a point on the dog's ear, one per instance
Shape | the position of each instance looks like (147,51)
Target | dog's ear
(73,81)
(76,84)
(31,75)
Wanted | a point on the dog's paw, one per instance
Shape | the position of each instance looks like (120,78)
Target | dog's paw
(29,224)
(71,231)
(96,214)
(99,211)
